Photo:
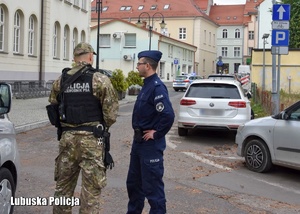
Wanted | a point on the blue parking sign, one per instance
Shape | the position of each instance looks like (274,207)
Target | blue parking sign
(281,12)
(280,37)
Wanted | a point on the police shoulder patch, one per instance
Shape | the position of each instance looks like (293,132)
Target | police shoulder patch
(160,107)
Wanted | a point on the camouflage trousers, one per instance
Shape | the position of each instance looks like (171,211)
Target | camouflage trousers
(79,151)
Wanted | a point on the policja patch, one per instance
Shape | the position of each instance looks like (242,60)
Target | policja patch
(160,107)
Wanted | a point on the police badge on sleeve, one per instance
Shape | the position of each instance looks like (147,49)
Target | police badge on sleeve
(160,107)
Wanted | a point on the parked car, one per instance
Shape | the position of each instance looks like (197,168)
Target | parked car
(213,104)
(272,140)
(9,155)
(106,72)
(182,82)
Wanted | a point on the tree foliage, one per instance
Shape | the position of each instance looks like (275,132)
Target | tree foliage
(294,23)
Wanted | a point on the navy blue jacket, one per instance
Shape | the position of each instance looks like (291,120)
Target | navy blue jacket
(153,109)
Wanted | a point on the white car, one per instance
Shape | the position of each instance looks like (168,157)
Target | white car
(271,140)
(9,155)
(213,104)
(182,82)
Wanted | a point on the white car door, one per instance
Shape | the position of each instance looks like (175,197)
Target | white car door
(287,139)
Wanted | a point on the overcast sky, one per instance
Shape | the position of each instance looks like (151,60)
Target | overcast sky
(229,1)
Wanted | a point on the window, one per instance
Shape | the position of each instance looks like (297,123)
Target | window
(56,40)
(237,51)
(251,35)
(182,33)
(83,4)
(224,51)
(66,42)
(2,28)
(104,40)
(167,6)
(224,33)
(76,2)
(104,8)
(204,37)
(75,38)
(237,34)
(130,40)
(250,51)
(141,7)
(17,32)
(31,32)
(153,7)
(170,51)
(82,36)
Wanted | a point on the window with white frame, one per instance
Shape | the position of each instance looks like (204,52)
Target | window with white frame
(237,33)
(55,39)
(83,4)
(31,38)
(76,2)
(251,35)
(182,33)
(66,42)
(224,51)
(237,51)
(104,40)
(204,40)
(170,51)
(82,36)
(2,28)
(130,40)
(75,38)
(17,33)
(225,34)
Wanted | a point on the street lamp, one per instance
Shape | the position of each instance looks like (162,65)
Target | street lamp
(265,36)
(99,10)
(162,24)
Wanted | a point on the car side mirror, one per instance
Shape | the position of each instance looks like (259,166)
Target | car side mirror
(284,115)
(249,95)
(5,98)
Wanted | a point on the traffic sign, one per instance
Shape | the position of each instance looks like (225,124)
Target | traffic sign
(281,12)
(280,37)
(284,25)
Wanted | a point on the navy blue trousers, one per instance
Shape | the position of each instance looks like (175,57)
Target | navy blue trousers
(145,177)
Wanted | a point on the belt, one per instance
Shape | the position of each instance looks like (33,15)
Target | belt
(79,128)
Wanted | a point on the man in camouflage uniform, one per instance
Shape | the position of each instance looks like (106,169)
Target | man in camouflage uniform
(89,101)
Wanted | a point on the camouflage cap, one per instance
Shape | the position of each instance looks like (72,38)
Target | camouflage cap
(83,48)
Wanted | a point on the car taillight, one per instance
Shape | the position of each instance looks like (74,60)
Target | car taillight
(185,102)
(237,104)
(185,80)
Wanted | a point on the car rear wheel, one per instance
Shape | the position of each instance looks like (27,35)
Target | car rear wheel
(7,190)
(182,132)
(257,156)
(176,89)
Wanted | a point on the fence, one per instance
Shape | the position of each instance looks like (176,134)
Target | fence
(26,89)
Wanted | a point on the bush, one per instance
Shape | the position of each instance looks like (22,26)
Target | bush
(134,79)
(118,80)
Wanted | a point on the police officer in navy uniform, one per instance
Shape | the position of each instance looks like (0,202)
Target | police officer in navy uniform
(152,118)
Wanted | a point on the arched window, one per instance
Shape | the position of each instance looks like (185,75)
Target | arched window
(82,36)
(56,40)
(66,42)
(17,33)
(2,28)
(237,33)
(75,38)
(224,33)
(31,35)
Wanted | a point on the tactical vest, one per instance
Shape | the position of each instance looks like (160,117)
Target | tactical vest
(80,105)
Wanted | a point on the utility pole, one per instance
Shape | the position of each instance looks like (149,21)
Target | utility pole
(99,10)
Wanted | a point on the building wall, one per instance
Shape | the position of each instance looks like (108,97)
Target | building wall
(265,22)
(112,57)
(41,65)
(289,70)
(230,42)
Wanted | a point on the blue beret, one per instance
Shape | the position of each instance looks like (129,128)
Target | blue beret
(155,55)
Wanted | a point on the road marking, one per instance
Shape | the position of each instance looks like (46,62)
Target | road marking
(206,161)
(218,156)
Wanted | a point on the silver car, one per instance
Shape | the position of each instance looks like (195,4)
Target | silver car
(271,140)
(182,82)
(213,104)
(9,155)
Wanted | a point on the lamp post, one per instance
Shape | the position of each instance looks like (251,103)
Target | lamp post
(150,27)
(99,10)
(265,36)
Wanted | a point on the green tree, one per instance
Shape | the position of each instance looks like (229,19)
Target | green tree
(294,23)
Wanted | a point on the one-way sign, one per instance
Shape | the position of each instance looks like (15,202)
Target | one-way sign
(281,12)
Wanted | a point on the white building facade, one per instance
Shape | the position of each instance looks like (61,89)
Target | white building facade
(37,37)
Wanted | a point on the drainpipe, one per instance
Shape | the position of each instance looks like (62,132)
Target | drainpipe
(41,42)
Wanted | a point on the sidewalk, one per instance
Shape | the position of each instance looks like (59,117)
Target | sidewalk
(27,114)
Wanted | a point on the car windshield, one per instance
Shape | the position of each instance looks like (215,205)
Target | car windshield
(215,91)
